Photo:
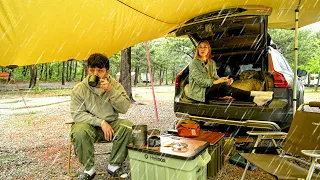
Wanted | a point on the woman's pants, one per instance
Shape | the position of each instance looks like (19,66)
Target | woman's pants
(222,89)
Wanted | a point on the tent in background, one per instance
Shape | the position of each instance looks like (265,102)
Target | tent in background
(39,31)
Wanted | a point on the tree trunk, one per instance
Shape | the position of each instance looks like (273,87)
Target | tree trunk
(317,85)
(166,76)
(174,72)
(309,76)
(33,76)
(75,70)
(147,79)
(70,70)
(24,71)
(63,73)
(46,73)
(59,64)
(125,72)
(136,76)
(162,75)
(10,74)
(84,70)
(50,71)
(153,73)
(160,72)
(41,71)
(37,81)
(67,70)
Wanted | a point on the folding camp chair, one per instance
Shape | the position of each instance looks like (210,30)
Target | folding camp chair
(301,142)
(70,145)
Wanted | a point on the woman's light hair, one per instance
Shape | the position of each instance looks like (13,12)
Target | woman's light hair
(197,55)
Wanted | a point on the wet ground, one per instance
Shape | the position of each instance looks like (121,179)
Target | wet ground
(34,137)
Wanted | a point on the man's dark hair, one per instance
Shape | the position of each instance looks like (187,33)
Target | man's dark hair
(99,61)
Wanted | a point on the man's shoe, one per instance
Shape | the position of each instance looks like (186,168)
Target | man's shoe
(119,173)
(85,176)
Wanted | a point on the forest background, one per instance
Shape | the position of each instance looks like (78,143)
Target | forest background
(168,57)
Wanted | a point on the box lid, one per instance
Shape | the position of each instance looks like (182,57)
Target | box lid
(174,146)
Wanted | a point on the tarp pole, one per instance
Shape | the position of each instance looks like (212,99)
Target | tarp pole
(150,72)
(14,80)
(295,66)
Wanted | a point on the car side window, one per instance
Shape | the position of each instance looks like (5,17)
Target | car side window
(279,60)
(286,63)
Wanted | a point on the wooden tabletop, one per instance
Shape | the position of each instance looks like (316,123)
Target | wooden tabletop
(211,137)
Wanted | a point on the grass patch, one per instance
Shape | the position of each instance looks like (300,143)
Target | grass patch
(55,92)
(311,90)
(8,157)
(26,113)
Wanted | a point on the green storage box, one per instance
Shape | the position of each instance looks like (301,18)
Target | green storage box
(162,163)
(217,161)
(215,150)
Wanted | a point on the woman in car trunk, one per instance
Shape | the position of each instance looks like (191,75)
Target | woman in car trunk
(205,84)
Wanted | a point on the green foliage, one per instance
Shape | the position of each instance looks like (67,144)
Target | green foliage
(308,46)
(115,62)
(37,88)
(313,65)
(172,54)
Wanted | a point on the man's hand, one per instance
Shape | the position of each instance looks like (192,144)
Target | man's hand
(107,131)
(106,85)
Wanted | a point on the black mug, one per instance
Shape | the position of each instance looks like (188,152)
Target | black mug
(154,141)
(93,80)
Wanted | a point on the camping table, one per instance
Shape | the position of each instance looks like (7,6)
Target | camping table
(172,160)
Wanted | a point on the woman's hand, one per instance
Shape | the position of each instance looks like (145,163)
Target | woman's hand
(227,80)
(220,80)
(230,81)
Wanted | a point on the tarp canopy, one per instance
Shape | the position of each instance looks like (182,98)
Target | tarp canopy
(40,31)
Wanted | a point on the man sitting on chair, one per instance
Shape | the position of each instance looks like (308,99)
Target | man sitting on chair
(95,111)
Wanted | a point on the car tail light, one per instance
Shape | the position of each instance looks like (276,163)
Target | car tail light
(279,80)
(176,84)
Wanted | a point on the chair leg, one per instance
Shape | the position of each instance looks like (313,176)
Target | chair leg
(69,159)
(245,170)
(311,169)
(248,163)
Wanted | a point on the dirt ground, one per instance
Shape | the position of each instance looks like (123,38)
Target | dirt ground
(34,137)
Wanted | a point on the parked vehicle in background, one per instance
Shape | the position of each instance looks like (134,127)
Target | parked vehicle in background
(240,44)
(312,81)
(145,77)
